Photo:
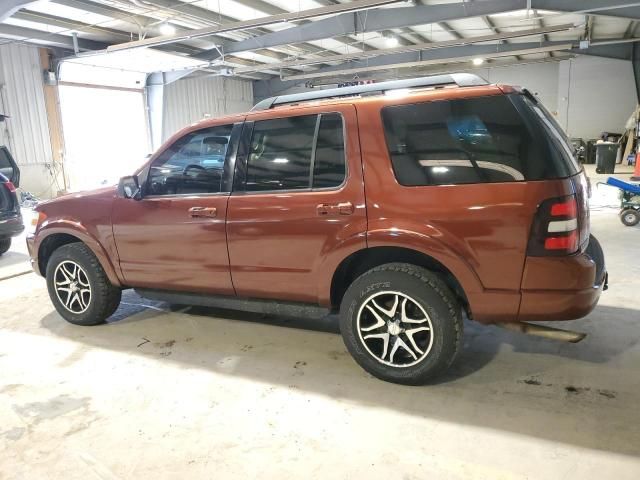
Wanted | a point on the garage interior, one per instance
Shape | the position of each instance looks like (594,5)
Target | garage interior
(90,88)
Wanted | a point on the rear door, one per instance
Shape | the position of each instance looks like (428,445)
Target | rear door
(298,200)
(8,166)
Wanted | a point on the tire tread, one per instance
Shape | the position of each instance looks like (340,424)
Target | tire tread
(105,293)
(437,285)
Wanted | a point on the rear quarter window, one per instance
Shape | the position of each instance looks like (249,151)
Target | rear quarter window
(475,140)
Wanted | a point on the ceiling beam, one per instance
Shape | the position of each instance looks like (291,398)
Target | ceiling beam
(450,30)
(113,34)
(371,21)
(257,22)
(489,23)
(68,24)
(391,18)
(277,85)
(411,48)
(271,9)
(519,50)
(611,8)
(9,7)
(21,33)
(443,69)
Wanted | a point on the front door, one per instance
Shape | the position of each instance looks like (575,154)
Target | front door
(298,201)
(174,237)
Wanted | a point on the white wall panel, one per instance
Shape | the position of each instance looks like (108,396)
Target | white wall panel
(26,133)
(588,95)
(192,99)
(601,95)
(540,78)
(22,98)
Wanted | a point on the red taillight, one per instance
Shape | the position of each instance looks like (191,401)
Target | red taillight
(10,186)
(568,243)
(555,228)
(568,208)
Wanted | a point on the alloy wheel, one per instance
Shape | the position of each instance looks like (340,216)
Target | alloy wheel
(72,286)
(395,329)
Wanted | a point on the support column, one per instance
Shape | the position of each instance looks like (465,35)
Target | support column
(54,119)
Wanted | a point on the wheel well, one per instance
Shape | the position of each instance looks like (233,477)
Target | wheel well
(360,262)
(50,245)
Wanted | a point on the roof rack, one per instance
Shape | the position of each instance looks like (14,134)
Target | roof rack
(460,79)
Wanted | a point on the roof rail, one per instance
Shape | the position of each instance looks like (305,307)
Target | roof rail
(460,79)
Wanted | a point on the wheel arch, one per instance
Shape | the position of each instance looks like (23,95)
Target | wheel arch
(363,260)
(54,238)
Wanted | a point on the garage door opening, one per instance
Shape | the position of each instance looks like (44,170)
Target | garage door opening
(105,132)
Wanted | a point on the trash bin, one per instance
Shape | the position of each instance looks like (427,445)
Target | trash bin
(606,153)
(590,153)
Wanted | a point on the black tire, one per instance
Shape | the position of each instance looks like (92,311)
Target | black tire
(630,217)
(5,245)
(104,297)
(430,295)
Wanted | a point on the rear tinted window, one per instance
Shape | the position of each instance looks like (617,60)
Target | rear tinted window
(284,152)
(475,140)
(280,157)
(329,164)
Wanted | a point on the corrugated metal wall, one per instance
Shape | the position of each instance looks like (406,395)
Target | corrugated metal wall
(192,99)
(22,98)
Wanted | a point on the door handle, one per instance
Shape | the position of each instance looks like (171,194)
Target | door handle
(203,212)
(342,208)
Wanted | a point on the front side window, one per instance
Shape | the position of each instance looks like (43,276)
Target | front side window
(296,153)
(474,140)
(192,165)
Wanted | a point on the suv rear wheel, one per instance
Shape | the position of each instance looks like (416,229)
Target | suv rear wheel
(79,287)
(401,323)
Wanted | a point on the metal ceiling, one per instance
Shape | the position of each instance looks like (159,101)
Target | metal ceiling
(285,42)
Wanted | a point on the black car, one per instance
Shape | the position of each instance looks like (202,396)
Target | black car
(10,216)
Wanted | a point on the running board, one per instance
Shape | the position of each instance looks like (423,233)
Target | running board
(543,331)
(255,305)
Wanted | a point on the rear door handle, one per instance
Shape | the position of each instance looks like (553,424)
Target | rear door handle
(203,212)
(342,208)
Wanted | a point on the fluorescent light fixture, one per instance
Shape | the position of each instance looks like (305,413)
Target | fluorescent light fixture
(391,42)
(167,29)
(478,61)
(439,169)
(280,160)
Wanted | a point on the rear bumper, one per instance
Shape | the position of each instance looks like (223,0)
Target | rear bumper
(558,305)
(11,227)
(561,288)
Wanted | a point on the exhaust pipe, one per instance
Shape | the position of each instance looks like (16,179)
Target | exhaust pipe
(544,331)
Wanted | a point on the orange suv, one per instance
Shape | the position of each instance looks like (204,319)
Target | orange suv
(403,205)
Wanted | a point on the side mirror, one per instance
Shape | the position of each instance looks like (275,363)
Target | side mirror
(128,187)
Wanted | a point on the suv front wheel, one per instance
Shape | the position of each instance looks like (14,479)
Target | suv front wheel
(401,323)
(78,286)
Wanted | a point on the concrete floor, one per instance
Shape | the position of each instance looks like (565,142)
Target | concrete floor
(212,394)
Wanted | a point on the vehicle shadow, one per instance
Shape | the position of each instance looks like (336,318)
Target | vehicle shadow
(502,380)
(13,258)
